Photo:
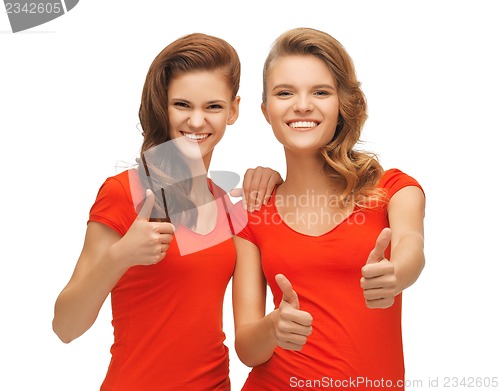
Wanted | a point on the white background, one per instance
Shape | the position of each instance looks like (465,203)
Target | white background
(69,96)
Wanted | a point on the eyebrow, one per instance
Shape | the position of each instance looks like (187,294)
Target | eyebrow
(210,102)
(318,86)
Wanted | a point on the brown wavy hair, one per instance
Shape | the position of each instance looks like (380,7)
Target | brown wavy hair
(190,53)
(356,172)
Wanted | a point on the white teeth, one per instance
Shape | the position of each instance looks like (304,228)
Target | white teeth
(302,124)
(194,136)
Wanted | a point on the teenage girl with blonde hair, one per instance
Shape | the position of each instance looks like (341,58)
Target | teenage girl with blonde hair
(339,241)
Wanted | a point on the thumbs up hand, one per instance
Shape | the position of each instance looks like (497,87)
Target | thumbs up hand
(292,326)
(378,280)
(145,242)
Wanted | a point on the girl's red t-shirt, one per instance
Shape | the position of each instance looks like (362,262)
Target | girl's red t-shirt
(351,346)
(167,317)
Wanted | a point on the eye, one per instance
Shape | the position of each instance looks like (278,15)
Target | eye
(181,104)
(215,106)
(284,94)
(322,93)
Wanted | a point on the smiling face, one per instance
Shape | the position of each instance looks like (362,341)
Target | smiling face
(200,106)
(302,104)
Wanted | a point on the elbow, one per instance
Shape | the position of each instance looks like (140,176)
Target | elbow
(248,361)
(249,358)
(64,339)
(65,336)
(240,352)
(255,342)
(421,262)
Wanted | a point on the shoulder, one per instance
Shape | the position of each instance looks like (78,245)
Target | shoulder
(394,179)
(115,186)
(255,225)
(121,179)
(117,201)
(130,182)
(123,189)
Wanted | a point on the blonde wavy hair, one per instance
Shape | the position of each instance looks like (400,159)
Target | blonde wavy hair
(355,172)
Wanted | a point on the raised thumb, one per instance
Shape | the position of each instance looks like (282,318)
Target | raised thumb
(383,240)
(289,295)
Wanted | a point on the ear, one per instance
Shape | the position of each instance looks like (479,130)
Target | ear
(263,107)
(234,112)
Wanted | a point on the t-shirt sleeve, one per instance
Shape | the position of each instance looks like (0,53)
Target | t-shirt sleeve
(240,220)
(113,207)
(394,180)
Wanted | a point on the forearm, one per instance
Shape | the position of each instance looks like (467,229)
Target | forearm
(255,342)
(78,305)
(408,259)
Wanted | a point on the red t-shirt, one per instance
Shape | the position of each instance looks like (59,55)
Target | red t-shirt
(351,346)
(167,317)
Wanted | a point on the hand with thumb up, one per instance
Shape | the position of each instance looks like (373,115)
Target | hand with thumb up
(145,242)
(378,279)
(292,326)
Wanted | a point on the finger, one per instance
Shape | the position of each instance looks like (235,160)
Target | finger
(292,338)
(247,179)
(258,185)
(165,228)
(160,257)
(165,238)
(377,294)
(383,268)
(164,248)
(251,184)
(265,190)
(274,180)
(383,240)
(252,197)
(380,303)
(147,207)
(289,345)
(300,322)
(238,192)
(268,191)
(289,295)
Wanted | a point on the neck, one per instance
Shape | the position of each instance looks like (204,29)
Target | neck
(200,192)
(305,173)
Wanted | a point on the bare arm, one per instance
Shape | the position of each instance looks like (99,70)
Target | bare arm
(254,339)
(257,335)
(96,273)
(382,279)
(105,257)
(406,219)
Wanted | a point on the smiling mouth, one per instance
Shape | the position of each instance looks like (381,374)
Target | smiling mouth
(196,136)
(303,125)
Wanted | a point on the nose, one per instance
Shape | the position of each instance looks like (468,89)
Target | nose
(303,103)
(196,120)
